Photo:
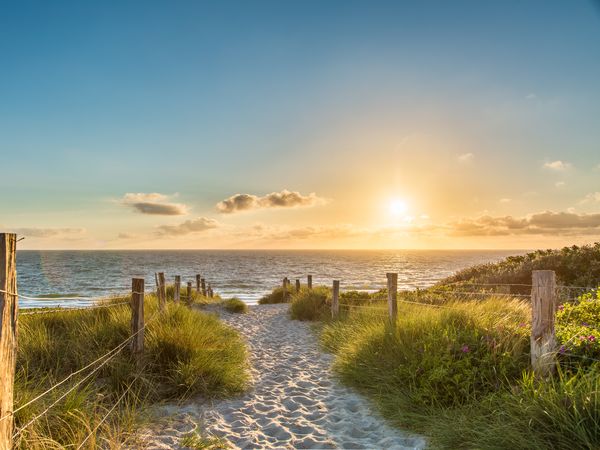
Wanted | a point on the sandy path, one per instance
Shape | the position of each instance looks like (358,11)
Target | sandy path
(294,401)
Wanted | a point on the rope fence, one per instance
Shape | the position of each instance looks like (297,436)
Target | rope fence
(9,297)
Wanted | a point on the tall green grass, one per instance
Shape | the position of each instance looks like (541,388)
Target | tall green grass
(186,353)
(458,372)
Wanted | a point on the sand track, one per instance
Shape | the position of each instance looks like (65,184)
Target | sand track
(294,401)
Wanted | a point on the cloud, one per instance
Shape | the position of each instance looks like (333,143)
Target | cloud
(153,204)
(35,232)
(557,165)
(560,184)
(544,223)
(591,198)
(505,200)
(189,226)
(126,236)
(466,158)
(531,96)
(283,199)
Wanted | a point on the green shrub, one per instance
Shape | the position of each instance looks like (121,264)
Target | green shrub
(578,327)
(235,305)
(579,266)
(276,296)
(311,304)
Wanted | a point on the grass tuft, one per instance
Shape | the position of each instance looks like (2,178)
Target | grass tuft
(235,305)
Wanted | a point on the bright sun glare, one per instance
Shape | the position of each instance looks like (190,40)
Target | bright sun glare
(398,207)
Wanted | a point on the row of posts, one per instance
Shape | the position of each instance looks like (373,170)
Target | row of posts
(137,302)
(544,303)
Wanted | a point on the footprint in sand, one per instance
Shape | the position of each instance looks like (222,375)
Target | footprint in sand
(294,402)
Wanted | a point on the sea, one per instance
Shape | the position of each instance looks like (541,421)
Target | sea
(80,278)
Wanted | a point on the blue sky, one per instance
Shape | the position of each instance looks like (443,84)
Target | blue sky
(362,103)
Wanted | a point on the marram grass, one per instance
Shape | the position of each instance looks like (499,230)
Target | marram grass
(459,373)
(187,352)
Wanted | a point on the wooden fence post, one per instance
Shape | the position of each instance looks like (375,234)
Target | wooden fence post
(177,289)
(189,292)
(162,291)
(392,288)
(203,286)
(297,285)
(309,281)
(137,316)
(284,286)
(198,284)
(543,309)
(8,335)
(335,301)
(210,291)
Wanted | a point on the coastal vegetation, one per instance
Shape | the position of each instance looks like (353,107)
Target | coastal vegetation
(457,369)
(235,305)
(277,295)
(574,266)
(187,352)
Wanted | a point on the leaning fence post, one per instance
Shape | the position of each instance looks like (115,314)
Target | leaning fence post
(137,315)
(297,285)
(203,286)
(8,334)
(162,291)
(543,309)
(392,288)
(335,299)
(177,289)
(309,281)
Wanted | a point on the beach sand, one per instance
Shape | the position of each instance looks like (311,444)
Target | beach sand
(294,401)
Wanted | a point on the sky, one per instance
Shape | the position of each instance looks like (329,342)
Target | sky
(300,124)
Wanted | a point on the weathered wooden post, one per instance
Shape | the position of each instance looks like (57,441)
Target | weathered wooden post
(137,316)
(309,281)
(177,289)
(392,288)
(297,285)
(162,291)
(284,287)
(189,292)
(335,300)
(9,305)
(543,309)
(210,291)
(203,286)
(198,283)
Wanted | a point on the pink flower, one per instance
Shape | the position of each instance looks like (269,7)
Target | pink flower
(465,349)
(591,338)
(561,307)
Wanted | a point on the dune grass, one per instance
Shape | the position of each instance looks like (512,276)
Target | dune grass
(186,353)
(457,371)
(277,295)
(235,305)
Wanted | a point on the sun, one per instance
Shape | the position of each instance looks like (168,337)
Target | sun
(398,207)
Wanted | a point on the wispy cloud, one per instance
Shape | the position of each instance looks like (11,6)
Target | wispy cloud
(189,226)
(282,199)
(505,200)
(35,232)
(466,158)
(153,204)
(592,197)
(557,165)
(560,184)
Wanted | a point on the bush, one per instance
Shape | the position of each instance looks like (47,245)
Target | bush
(235,305)
(186,353)
(310,304)
(577,327)
(578,266)
(276,296)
